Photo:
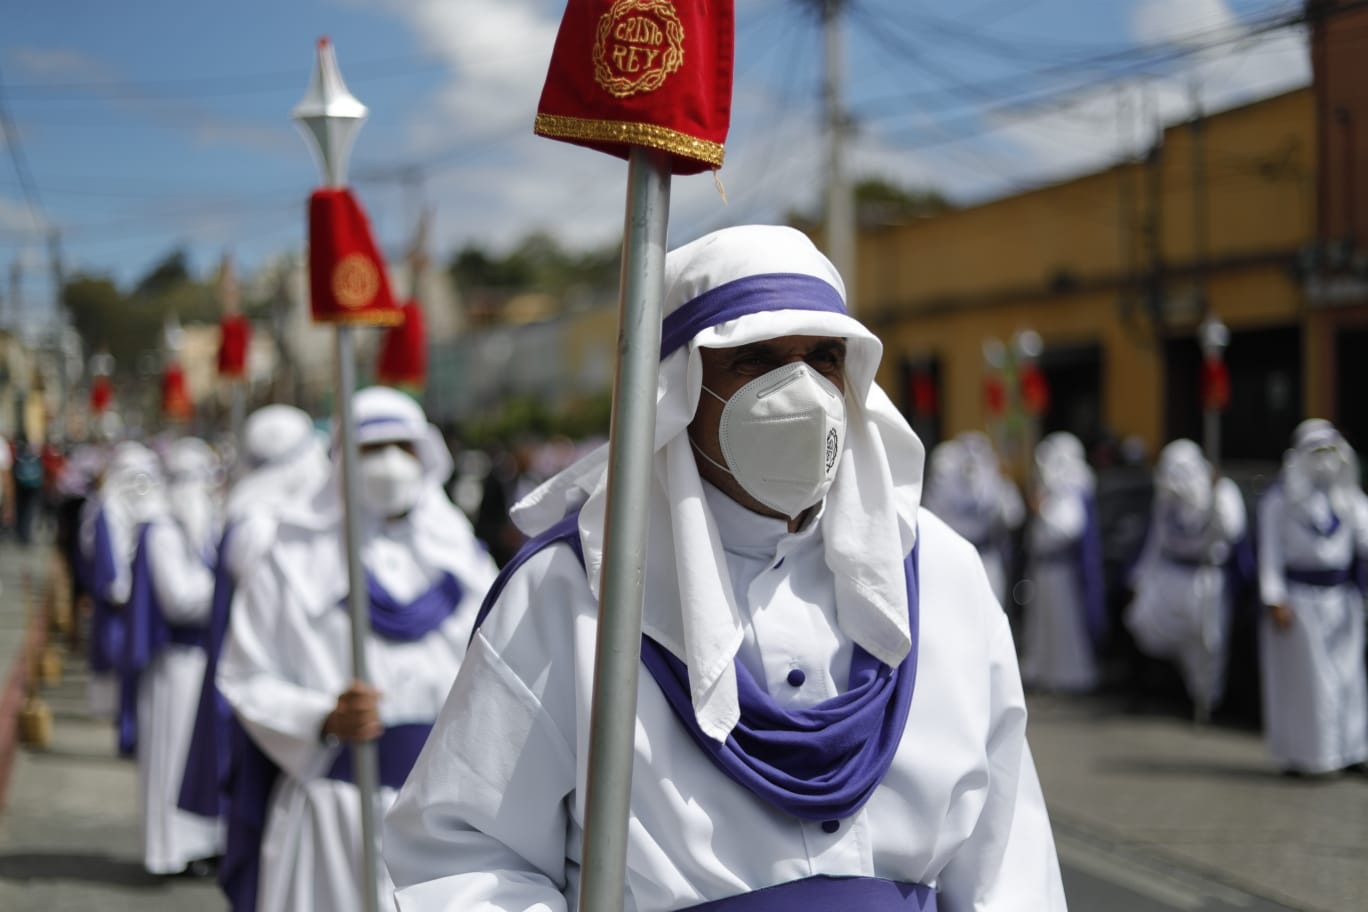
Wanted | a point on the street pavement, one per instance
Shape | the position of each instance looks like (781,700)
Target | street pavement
(1151,814)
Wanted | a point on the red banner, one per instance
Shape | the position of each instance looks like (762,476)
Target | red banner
(1035,392)
(347,278)
(176,403)
(1215,385)
(654,73)
(235,334)
(403,352)
(101,393)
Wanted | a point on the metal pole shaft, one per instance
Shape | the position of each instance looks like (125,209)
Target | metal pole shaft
(631,445)
(1211,436)
(364,755)
(840,214)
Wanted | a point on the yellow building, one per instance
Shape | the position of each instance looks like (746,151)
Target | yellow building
(1112,269)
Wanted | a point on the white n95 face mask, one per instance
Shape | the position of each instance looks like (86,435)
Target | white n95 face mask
(782,435)
(391,482)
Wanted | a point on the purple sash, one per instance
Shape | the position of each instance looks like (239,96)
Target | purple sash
(837,894)
(819,763)
(407,622)
(1324,578)
(107,625)
(748,295)
(204,785)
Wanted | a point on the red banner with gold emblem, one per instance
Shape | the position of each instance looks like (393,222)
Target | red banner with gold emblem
(403,352)
(655,73)
(347,278)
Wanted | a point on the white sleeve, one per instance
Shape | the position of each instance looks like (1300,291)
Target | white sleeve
(282,717)
(1009,863)
(184,585)
(1272,585)
(481,823)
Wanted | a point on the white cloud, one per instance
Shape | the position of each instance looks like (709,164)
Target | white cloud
(15,218)
(60,64)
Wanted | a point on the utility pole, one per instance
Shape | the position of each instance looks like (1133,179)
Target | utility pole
(60,318)
(1199,199)
(840,204)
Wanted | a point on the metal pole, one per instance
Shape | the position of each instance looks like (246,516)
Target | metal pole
(1211,436)
(617,657)
(364,754)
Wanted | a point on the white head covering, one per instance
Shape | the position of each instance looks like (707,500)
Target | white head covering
(1062,465)
(285,459)
(731,288)
(192,480)
(1183,477)
(441,535)
(1318,434)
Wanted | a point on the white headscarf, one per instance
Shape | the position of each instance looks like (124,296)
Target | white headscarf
(1183,476)
(441,535)
(1318,434)
(758,281)
(1061,464)
(286,461)
(192,482)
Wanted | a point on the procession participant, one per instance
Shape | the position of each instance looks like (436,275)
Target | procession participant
(966,488)
(832,711)
(129,495)
(167,615)
(1313,526)
(286,664)
(1065,617)
(286,464)
(1182,605)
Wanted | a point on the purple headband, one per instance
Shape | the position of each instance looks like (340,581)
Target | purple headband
(749,295)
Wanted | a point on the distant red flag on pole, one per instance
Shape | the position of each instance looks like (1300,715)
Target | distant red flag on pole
(176,404)
(652,73)
(347,278)
(403,352)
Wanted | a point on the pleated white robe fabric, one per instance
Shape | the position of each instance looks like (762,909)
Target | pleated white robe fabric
(1315,694)
(491,817)
(1057,653)
(287,657)
(1181,611)
(168,697)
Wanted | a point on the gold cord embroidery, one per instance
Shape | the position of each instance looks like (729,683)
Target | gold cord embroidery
(557,126)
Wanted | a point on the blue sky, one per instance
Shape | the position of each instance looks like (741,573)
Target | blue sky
(150,125)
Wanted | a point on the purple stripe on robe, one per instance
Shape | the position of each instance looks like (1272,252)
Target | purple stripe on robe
(203,788)
(397,750)
(1092,586)
(107,626)
(846,894)
(819,763)
(744,296)
(1321,577)
(252,774)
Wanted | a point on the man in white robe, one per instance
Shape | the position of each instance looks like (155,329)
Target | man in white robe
(168,612)
(130,494)
(966,488)
(790,580)
(286,664)
(1182,605)
(286,466)
(1065,617)
(1313,532)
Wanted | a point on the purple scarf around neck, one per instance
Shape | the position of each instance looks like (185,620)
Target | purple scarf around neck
(819,763)
(409,621)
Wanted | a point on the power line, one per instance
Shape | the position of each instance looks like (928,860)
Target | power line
(21,168)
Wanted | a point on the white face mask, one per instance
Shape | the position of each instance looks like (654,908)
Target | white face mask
(782,436)
(391,482)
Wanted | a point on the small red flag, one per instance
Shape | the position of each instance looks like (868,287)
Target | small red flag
(994,396)
(655,73)
(403,352)
(101,393)
(176,402)
(925,401)
(1035,392)
(1215,385)
(235,334)
(347,278)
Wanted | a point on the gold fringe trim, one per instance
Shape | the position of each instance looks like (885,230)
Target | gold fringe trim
(383,318)
(557,126)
